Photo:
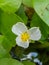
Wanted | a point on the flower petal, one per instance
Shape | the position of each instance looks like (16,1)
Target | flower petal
(21,43)
(35,33)
(37,60)
(18,28)
(32,54)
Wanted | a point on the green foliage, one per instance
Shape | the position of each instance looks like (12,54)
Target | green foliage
(28,3)
(13,11)
(21,13)
(10,5)
(3,51)
(28,63)
(7,21)
(42,9)
(9,61)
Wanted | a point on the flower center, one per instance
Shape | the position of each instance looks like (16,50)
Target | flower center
(24,36)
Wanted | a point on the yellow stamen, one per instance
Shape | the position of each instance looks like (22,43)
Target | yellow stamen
(24,36)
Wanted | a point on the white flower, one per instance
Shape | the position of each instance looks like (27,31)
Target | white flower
(25,35)
(29,56)
(37,61)
(32,54)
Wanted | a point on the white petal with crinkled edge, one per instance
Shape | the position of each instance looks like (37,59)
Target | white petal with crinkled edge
(21,43)
(18,28)
(35,33)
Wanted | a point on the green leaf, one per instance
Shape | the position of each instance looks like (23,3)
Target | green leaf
(37,22)
(1,38)
(41,45)
(0,20)
(22,14)
(28,63)
(9,61)
(44,44)
(7,44)
(7,21)
(3,52)
(28,3)
(10,5)
(42,9)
